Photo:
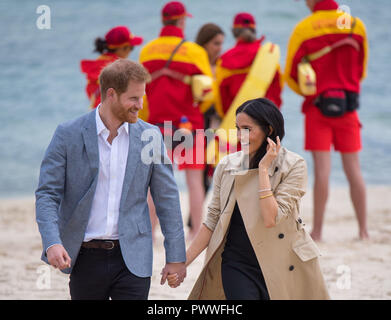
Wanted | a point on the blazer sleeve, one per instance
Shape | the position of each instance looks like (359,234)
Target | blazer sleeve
(165,196)
(214,209)
(290,190)
(50,189)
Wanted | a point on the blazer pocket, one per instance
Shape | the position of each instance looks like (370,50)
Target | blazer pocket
(306,249)
(143,227)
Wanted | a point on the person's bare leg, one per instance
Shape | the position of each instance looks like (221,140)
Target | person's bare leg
(195,186)
(351,165)
(152,214)
(322,167)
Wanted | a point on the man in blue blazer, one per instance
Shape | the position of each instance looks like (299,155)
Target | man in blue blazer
(91,201)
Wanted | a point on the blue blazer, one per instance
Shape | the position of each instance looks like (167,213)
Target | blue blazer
(67,183)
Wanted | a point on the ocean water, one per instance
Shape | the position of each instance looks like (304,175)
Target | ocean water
(41,84)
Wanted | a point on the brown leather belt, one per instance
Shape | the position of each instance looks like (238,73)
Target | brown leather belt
(101,244)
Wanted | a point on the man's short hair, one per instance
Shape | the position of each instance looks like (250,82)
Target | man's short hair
(117,75)
(173,22)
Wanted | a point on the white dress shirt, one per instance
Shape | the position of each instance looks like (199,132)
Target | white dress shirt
(103,220)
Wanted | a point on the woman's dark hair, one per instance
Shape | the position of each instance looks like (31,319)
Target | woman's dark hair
(265,113)
(101,46)
(207,32)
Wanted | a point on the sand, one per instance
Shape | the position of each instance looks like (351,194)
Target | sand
(353,269)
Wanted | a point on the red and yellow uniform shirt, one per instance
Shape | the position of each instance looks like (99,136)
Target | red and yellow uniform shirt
(232,69)
(343,67)
(167,98)
(92,69)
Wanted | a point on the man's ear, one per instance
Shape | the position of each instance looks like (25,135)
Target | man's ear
(110,93)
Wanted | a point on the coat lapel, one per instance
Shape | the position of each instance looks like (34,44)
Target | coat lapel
(226,192)
(133,158)
(227,202)
(90,138)
(246,193)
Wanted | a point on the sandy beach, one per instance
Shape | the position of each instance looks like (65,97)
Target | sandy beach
(353,269)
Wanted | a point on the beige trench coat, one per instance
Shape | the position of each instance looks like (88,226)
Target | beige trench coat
(286,253)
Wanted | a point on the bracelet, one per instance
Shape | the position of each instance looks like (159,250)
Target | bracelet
(262,190)
(267,196)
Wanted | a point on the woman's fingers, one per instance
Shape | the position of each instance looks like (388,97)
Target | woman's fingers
(278,143)
(173,280)
(272,151)
(271,142)
(172,277)
(272,145)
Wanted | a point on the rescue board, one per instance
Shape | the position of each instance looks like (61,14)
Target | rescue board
(255,86)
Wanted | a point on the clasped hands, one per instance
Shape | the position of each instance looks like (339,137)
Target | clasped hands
(174,273)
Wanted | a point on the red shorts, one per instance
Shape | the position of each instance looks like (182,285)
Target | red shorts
(189,157)
(321,132)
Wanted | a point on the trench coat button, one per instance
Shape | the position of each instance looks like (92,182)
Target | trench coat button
(281,235)
(276,169)
(291,268)
(299,220)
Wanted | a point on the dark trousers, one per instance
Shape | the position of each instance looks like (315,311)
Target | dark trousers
(243,282)
(101,274)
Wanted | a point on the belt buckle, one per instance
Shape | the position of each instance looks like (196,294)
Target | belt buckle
(112,244)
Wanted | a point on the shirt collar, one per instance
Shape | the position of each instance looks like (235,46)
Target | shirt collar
(235,163)
(124,126)
(326,5)
(100,126)
(240,42)
(171,31)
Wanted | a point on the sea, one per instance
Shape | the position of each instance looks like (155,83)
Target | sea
(41,84)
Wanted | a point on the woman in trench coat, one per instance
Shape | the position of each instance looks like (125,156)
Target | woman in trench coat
(256,245)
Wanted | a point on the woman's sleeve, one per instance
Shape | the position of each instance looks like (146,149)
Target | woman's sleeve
(214,211)
(290,190)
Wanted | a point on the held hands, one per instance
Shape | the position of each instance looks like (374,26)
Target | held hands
(58,257)
(172,280)
(175,273)
(271,153)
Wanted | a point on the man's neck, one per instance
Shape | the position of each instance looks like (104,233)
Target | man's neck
(108,119)
(171,31)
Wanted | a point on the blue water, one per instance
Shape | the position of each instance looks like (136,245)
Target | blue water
(41,84)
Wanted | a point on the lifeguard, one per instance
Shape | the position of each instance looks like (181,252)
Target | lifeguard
(118,43)
(234,65)
(171,61)
(332,47)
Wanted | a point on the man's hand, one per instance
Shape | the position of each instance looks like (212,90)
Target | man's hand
(58,257)
(174,268)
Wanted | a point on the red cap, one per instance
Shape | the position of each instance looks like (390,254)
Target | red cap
(174,10)
(121,36)
(244,20)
